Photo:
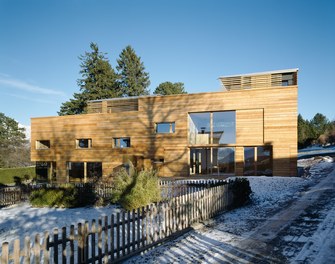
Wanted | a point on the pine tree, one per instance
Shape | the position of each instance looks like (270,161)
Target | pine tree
(167,88)
(13,147)
(98,82)
(133,80)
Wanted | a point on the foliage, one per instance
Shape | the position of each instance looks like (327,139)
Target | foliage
(135,189)
(167,88)
(133,80)
(145,191)
(318,130)
(14,150)
(7,175)
(98,82)
(66,196)
(241,191)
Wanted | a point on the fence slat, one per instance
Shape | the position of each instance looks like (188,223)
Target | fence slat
(27,250)
(105,239)
(37,249)
(71,238)
(5,253)
(16,251)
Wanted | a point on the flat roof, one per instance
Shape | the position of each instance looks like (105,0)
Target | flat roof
(261,73)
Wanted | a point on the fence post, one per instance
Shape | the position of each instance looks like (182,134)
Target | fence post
(5,253)
(16,252)
(27,250)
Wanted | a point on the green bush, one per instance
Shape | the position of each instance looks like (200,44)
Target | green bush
(7,175)
(241,191)
(68,197)
(135,189)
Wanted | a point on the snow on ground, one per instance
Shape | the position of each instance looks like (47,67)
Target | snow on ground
(18,221)
(220,240)
(216,238)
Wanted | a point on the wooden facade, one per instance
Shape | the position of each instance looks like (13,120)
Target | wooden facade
(264,117)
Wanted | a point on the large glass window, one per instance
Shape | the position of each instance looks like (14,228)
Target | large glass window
(199,128)
(224,131)
(212,128)
(212,161)
(83,171)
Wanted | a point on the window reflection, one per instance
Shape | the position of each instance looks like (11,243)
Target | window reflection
(199,128)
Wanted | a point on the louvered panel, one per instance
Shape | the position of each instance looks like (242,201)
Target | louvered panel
(124,105)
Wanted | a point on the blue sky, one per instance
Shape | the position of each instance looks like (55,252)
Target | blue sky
(193,42)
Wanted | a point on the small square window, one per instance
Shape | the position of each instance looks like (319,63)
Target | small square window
(42,144)
(84,143)
(165,127)
(122,142)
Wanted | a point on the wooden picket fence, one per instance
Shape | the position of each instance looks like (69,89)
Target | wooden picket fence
(12,195)
(121,235)
(169,189)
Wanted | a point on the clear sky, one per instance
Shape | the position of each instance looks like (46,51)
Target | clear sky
(193,42)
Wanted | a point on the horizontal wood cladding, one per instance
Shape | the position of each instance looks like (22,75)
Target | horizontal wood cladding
(250,126)
(264,116)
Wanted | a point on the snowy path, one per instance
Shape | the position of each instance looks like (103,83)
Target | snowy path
(262,232)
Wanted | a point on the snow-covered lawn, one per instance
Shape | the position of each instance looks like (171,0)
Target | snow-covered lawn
(270,194)
(22,220)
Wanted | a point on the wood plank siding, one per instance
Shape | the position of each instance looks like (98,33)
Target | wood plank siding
(263,117)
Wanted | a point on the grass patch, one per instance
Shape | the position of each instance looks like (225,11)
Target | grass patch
(7,175)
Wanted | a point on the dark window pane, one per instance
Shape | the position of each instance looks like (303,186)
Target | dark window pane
(94,169)
(124,142)
(249,161)
(75,171)
(264,160)
(83,143)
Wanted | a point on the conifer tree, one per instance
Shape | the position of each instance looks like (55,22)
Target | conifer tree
(167,88)
(98,82)
(133,80)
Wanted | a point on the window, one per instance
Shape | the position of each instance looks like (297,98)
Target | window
(212,128)
(224,127)
(258,160)
(83,171)
(122,142)
(42,144)
(84,143)
(165,127)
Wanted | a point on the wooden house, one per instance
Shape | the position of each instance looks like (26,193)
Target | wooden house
(248,128)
